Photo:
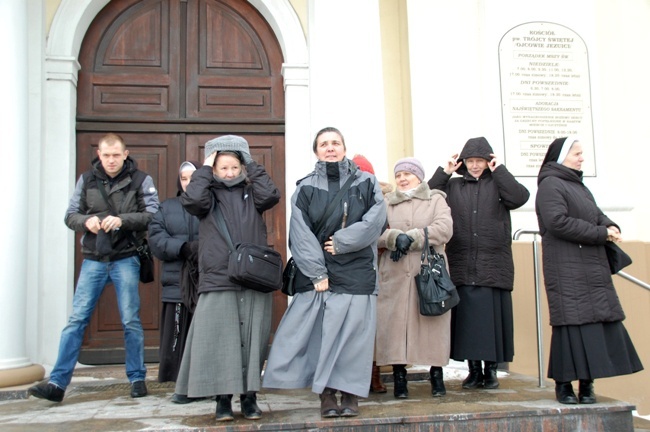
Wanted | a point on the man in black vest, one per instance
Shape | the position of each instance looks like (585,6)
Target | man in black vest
(107,220)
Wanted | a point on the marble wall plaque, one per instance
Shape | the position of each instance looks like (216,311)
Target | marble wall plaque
(545,94)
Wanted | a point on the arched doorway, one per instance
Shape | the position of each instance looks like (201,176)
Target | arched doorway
(168,75)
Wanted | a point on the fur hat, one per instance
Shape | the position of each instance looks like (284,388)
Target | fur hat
(233,143)
(411,165)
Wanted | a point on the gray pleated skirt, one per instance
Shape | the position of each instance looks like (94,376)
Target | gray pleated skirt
(226,344)
(324,340)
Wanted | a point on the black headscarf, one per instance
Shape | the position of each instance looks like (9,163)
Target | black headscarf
(554,153)
(554,150)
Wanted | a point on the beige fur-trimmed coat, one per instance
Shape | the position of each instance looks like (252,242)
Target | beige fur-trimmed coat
(403,335)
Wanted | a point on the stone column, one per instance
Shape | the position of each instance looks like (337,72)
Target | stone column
(15,366)
(299,156)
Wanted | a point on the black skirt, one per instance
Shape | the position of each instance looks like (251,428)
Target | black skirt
(590,351)
(174,325)
(482,325)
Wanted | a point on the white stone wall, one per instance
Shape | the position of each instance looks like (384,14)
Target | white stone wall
(456,89)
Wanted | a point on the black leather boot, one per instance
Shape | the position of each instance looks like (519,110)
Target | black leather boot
(224,408)
(400,390)
(437,383)
(249,407)
(586,393)
(475,377)
(490,380)
(564,393)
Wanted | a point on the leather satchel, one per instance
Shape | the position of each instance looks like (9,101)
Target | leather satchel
(146,259)
(250,265)
(289,277)
(436,292)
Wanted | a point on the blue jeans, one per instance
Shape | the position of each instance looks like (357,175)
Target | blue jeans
(94,276)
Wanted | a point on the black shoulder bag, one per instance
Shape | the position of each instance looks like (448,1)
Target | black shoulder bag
(616,257)
(251,265)
(289,273)
(142,247)
(436,291)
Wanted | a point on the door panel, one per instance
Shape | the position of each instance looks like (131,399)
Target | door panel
(231,75)
(130,62)
(169,75)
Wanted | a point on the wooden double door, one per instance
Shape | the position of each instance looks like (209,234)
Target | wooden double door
(168,75)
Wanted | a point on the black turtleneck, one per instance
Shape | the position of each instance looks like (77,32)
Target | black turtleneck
(333,179)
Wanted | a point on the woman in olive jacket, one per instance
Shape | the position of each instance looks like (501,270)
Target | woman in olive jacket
(588,338)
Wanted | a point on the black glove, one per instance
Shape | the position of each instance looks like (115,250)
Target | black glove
(186,251)
(103,243)
(396,255)
(403,243)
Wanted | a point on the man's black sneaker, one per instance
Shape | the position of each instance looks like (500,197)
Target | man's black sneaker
(47,390)
(138,389)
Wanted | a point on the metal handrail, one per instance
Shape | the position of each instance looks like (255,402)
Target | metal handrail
(538,302)
(631,278)
(535,234)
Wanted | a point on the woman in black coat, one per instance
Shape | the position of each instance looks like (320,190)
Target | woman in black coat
(173,236)
(588,338)
(480,258)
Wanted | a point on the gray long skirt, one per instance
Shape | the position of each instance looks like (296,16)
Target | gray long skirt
(324,340)
(226,344)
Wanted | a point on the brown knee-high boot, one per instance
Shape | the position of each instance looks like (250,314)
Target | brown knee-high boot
(376,385)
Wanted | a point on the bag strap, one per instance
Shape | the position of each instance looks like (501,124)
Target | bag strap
(334,202)
(129,234)
(332,205)
(426,251)
(221,226)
